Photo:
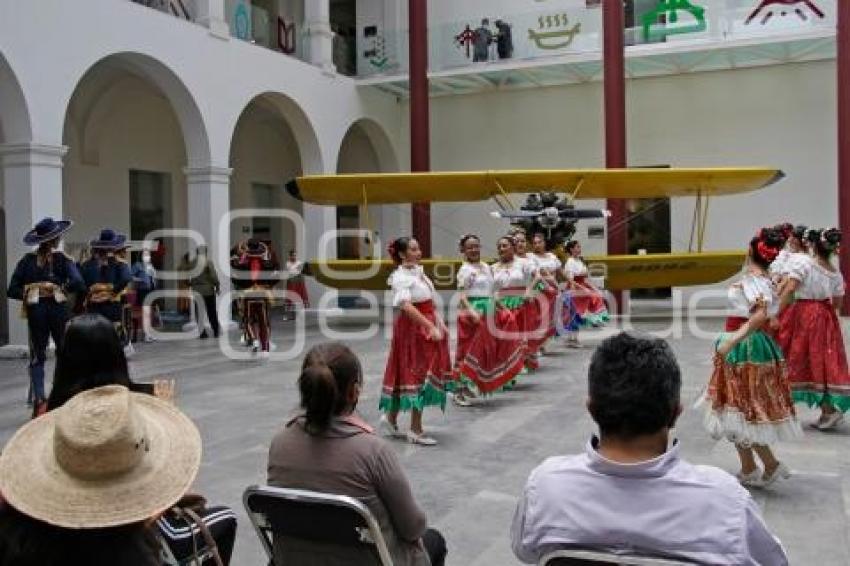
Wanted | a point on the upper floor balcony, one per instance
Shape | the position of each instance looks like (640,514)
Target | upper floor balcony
(560,42)
(479,45)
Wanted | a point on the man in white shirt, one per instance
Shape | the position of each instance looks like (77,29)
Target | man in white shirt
(630,491)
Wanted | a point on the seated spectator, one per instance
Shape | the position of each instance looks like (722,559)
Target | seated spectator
(328,448)
(630,491)
(82,483)
(78,369)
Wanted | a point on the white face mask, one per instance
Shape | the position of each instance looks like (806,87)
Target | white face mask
(146,257)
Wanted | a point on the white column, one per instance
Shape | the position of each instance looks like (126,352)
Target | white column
(319,36)
(211,13)
(32,180)
(208,190)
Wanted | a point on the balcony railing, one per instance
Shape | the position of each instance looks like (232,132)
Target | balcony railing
(183,9)
(573,29)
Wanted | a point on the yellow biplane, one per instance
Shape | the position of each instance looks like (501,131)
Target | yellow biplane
(695,267)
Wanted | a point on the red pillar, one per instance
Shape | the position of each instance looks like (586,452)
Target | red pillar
(843,80)
(420,136)
(615,119)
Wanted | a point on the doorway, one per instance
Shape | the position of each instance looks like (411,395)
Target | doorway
(649,233)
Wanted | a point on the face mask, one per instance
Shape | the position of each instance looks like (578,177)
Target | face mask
(146,257)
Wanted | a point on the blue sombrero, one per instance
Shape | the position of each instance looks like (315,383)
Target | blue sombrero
(47,229)
(109,240)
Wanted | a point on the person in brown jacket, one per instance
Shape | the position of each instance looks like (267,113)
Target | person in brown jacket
(329,448)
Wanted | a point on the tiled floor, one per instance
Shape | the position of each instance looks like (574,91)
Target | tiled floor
(468,483)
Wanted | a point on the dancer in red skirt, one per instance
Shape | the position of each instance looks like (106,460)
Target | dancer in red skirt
(419,367)
(490,348)
(549,267)
(810,332)
(514,280)
(295,284)
(588,300)
(531,317)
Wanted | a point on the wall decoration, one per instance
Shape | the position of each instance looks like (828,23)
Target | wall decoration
(766,10)
(375,52)
(241,21)
(668,12)
(554,32)
(286,36)
(465,39)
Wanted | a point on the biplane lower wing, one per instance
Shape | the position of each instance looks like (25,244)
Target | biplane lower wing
(469,186)
(621,272)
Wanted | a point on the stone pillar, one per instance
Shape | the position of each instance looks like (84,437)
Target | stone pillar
(32,181)
(318,34)
(211,13)
(208,190)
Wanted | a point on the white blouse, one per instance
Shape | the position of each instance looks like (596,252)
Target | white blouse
(410,284)
(744,295)
(575,268)
(786,262)
(294,268)
(816,283)
(518,273)
(548,261)
(476,279)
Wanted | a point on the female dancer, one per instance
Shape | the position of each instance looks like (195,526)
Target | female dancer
(530,319)
(793,252)
(419,367)
(749,391)
(40,281)
(549,267)
(589,303)
(490,350)
(810,333)
(514,281)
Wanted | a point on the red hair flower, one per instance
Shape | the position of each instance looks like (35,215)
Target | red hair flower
(767,252)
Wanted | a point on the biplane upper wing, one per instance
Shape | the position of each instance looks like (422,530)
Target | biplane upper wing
(468,186)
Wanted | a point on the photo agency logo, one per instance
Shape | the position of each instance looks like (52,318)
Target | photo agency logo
(258,311)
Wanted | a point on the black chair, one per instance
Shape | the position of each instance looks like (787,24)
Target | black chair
(577,557)
(319,518)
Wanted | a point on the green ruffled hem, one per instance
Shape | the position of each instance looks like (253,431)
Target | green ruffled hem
(598,319)
(428,396)
(757,348)
(812,399)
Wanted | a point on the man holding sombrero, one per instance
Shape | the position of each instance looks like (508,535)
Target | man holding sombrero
(107,277)
(41,280)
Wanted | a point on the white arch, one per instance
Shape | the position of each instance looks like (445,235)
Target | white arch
(182,100)
(14,110)
(300,124)
(377,136)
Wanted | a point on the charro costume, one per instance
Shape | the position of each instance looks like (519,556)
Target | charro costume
(253,264)
(41,281)
(106,277)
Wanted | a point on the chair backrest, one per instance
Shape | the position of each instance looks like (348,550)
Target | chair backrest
(312,516)
(578,557)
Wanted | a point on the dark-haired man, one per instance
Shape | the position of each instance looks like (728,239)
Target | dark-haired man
(630,491)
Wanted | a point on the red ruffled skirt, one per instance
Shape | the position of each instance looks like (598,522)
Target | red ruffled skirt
(419,370)
(491,352)
(810,336)
(542,328)
(589,303)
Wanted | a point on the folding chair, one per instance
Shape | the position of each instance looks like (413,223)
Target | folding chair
(577,557)
(315,517)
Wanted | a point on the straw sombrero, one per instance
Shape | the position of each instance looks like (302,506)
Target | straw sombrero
(107,457)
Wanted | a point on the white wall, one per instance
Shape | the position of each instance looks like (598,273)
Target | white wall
(781,116)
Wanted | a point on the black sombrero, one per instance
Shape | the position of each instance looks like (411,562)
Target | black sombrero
(47,229)
(109,240)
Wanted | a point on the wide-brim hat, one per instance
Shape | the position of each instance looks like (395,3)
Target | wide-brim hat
(108,240)
(47,229)
(107,457)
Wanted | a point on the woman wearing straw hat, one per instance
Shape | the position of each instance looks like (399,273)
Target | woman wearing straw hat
(106,277)
(41,280)
(83,482)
